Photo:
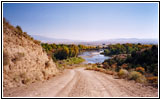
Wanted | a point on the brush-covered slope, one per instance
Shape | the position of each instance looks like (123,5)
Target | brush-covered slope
(24,60)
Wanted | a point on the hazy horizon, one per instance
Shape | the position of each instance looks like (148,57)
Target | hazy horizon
(90,40)
(85,21)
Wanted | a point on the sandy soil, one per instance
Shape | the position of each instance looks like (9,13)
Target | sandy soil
(82,83)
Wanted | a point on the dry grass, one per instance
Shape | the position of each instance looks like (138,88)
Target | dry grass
(123,73)
(106,71)
(137,76)
(153,81)
(19,32)
(134,75)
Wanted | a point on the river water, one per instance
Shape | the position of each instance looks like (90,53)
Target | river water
(93,56)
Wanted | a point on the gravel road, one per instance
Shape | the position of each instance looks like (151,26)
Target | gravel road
(79,82)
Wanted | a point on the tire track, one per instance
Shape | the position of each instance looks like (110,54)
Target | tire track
(83,83)
(67,88)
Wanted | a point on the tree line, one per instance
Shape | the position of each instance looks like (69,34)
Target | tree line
(127,48)
(64,51)
(145,56)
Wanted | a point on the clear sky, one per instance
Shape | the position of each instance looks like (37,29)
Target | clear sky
(85,21)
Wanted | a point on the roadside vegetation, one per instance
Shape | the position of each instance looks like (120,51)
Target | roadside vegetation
(97,67)
(70,63)
(132,62)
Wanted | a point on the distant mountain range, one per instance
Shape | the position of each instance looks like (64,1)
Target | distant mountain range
(57,41)
(128,40)
(51,40)
(100,42)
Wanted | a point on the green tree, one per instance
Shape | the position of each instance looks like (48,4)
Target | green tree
(74,50)
(62,53)
(106,52)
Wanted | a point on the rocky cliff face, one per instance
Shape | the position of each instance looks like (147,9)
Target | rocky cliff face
(24,60)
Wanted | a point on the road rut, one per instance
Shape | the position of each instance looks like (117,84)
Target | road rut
(79,82)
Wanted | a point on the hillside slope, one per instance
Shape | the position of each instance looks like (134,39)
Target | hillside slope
(24,60)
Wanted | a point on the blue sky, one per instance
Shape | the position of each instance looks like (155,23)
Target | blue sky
(85,21)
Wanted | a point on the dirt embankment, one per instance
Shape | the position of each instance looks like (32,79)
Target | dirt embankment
(83,83)
(24,60)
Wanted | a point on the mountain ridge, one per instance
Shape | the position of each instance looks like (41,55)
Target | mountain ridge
(96,42)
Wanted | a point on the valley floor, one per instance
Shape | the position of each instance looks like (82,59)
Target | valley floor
(79,82)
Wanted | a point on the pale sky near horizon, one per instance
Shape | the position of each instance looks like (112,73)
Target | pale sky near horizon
(85,21)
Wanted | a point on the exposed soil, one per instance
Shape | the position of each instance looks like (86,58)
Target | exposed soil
(79,82)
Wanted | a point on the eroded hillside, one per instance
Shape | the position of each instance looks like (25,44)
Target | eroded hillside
(24,60)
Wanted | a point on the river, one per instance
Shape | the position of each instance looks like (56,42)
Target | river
(93,56)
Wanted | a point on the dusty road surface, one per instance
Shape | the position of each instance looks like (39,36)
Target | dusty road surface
(83,83)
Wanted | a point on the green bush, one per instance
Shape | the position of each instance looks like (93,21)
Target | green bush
(62,53)
(53,58)
(106,52)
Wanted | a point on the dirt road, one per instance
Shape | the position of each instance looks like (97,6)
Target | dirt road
(83,83)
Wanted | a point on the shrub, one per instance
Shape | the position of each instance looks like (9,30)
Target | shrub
(89,68)
(124,66)
(106,52)
(99,65)
(36,41)
(123,73)
(19,29)
(137,76)
(153,79)
(5,58)
(134,75)
(62,53)
(110,72)
(53,58)
(140,69)
(141,79)
(95,68)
